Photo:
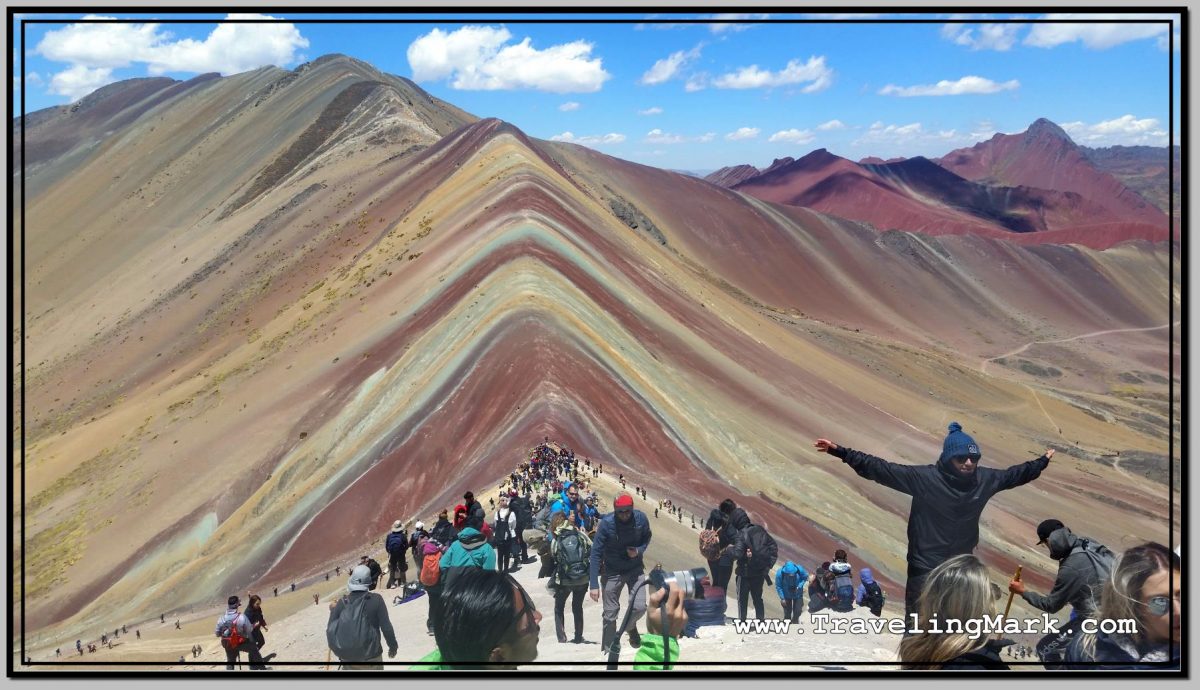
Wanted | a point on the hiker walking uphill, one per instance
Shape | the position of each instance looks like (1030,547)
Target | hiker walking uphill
(947,498)
(572,552)
(620,543)
(355,623)
(396,544)
(1084,567)
(415,544)
(236,633)
(504,529)
(475,513)
(755,551)
(789,585)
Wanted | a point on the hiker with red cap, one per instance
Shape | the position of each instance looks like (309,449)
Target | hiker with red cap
(620,542)
(947,499)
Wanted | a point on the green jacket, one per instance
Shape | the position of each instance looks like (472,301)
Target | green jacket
(650,654)
(430,662)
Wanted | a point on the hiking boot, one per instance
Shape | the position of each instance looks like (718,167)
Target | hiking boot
(578,639)
(635,639)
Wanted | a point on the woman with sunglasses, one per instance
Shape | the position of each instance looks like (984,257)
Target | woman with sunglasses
(1144,586)
(488,621)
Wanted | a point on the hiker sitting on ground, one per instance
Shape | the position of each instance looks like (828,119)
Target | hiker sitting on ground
(1145,586)
(237,635)
(1083,568)
(356,622)
(841,591)
(957,589)
(789,585)
(870,594)
(948,498)
(488,619)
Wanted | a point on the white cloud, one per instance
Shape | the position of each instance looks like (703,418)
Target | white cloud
(999,37)
(890,140)
(669,66)
(964,86)
(34,79)
(569,106)
(80,80)
(706,137)
(814,71)
(696,82)
(793,136)
(228,49)
(657,136)
(831,125)
(591,140)
(743,133)
(1126,130)
(651,111)
(1097,36)
(477,59)
(734,17)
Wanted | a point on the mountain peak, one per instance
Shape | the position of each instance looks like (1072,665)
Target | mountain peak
(1043,127)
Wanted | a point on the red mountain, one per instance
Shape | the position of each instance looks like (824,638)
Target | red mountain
(732,175)
(1044,156)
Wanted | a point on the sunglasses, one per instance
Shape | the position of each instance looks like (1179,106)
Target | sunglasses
(964,460)
(1159,605)
(526,611)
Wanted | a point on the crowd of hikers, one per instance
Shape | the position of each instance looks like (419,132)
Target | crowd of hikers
(479,616)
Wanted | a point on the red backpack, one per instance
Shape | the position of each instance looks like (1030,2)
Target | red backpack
(431,565)
(234,639)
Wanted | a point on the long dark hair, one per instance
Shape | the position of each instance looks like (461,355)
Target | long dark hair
(477,614)
(255,602)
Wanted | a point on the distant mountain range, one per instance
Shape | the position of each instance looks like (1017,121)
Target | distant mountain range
(1033,187)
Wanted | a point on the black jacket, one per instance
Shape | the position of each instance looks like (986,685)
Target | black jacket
(443,532)
(375,611)
(944,519)
(984,658)
(475,516)
(1079,582)
(612,538)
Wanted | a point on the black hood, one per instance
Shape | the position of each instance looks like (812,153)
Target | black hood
(739,520)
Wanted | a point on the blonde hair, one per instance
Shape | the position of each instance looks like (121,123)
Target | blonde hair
(556,520)
(1123,588)
(957,589)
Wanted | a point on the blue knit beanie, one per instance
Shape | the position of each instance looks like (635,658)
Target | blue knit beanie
(958,445)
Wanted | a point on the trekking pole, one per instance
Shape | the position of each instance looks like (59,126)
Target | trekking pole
(1008,606)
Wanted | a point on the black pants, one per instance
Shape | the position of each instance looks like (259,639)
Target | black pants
(259,640)
(750,585)
(912,591)
(435,606)
(792,608)
(504,554)
(256,660)
(720,574)
(560,605)
(523,546)
(397,567)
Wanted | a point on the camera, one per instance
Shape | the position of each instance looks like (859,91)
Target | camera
(690,581)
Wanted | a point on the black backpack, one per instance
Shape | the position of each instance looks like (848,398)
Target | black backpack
(573,558)
(520,505)
(872,595)
(500,533)
(788,582)
(763,550)
(350,634)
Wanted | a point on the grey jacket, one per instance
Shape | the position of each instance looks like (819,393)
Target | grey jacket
(245,628)
(1078,583)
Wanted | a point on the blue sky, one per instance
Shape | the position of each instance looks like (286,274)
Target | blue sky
(690,96)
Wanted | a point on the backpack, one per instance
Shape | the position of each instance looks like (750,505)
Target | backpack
(831,592)
(763,549)
(376,572)
(872,596)
(524,512)
(710,544)
(351,634)
(1102,558)
(396,543)
(431,565)
(501,531)
(231,638)
(573,558)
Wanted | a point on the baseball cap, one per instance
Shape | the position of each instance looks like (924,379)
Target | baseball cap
(1046,528)
(624,500)
(360,579)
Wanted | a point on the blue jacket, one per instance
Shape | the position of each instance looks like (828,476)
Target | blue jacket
(864,578)
(565,505)
(797,590)
(612,538)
